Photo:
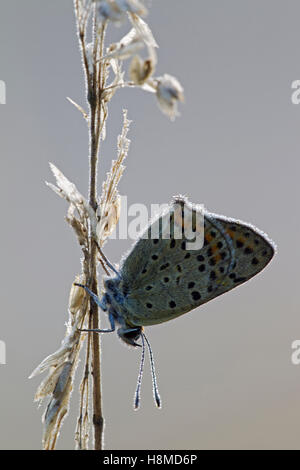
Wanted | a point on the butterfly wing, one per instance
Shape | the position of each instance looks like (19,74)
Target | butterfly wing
(164,279)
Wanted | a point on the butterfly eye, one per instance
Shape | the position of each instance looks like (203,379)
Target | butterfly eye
(130,335)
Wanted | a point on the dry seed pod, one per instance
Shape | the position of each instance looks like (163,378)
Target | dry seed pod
(140,71)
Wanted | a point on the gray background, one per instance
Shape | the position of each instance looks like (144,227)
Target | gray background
(224,370)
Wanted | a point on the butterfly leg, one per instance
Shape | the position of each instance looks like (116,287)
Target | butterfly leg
(94,296)
(108,263)
(108,330)
(103,307)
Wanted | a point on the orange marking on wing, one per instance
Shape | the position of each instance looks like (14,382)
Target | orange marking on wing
(214,248)
(208,237)
(230,233)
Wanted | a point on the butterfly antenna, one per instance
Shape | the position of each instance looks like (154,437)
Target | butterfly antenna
(154,382)
(139,381)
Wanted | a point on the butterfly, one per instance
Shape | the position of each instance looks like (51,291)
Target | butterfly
(185,258)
